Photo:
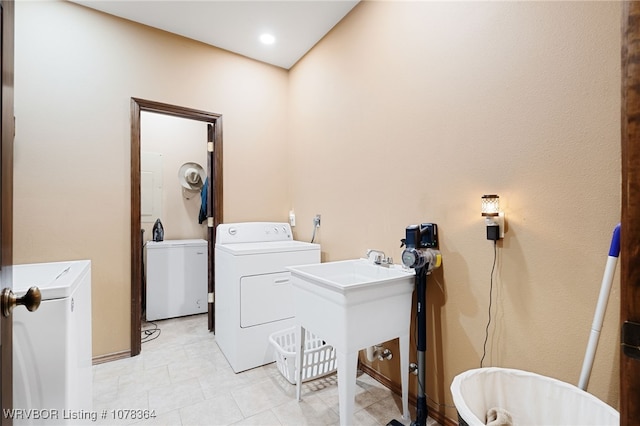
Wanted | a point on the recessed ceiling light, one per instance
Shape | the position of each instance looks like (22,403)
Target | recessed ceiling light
(267,38)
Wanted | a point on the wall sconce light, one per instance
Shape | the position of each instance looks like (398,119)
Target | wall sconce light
(493,217)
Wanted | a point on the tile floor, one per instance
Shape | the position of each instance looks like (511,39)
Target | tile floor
(184,378)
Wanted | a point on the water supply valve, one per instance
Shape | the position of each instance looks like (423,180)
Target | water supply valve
(386,354)
(413,368)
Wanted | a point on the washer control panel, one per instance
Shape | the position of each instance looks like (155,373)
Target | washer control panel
(253,232)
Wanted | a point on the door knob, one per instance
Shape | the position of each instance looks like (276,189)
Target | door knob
(31,300)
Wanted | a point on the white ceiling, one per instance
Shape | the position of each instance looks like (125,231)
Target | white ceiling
(236,25)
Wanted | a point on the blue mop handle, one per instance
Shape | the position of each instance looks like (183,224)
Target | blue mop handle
(601,306)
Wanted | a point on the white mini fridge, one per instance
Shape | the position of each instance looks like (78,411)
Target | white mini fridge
(176,272)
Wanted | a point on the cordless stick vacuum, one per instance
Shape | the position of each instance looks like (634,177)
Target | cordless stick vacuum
(422,255)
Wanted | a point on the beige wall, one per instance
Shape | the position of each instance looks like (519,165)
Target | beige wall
(179,141)
(410,111)
(76,70)
(404,113)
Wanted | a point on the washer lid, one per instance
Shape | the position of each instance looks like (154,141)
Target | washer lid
(55,280)
(242,249)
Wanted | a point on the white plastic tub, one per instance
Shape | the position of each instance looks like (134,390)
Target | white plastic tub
(530,398)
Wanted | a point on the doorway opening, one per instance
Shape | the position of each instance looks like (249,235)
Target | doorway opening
(214,202)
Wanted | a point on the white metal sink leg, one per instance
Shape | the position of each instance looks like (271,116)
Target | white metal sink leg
(347,370)
(404,374)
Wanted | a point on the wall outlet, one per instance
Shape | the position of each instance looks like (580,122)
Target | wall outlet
(292,218)
(316,221)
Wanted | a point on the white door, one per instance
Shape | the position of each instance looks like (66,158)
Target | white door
(7,300)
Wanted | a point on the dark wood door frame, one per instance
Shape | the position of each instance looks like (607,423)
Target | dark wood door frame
(214,201)
(7,132)
(630,228)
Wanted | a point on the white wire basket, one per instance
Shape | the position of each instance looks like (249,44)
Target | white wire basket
(319,358)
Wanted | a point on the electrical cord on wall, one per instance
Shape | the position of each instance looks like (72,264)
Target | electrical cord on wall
(316,225)
(486,335)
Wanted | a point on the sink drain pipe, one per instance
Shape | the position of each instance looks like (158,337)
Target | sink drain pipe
(378,352)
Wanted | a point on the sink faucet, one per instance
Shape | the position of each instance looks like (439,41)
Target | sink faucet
(380,258)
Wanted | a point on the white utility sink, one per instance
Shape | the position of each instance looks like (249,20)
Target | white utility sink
(353,304)
(345,275)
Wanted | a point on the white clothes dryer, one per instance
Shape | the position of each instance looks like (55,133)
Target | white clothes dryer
(254,297)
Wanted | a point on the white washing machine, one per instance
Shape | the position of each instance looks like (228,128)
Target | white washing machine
(254,297)
(52,354)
